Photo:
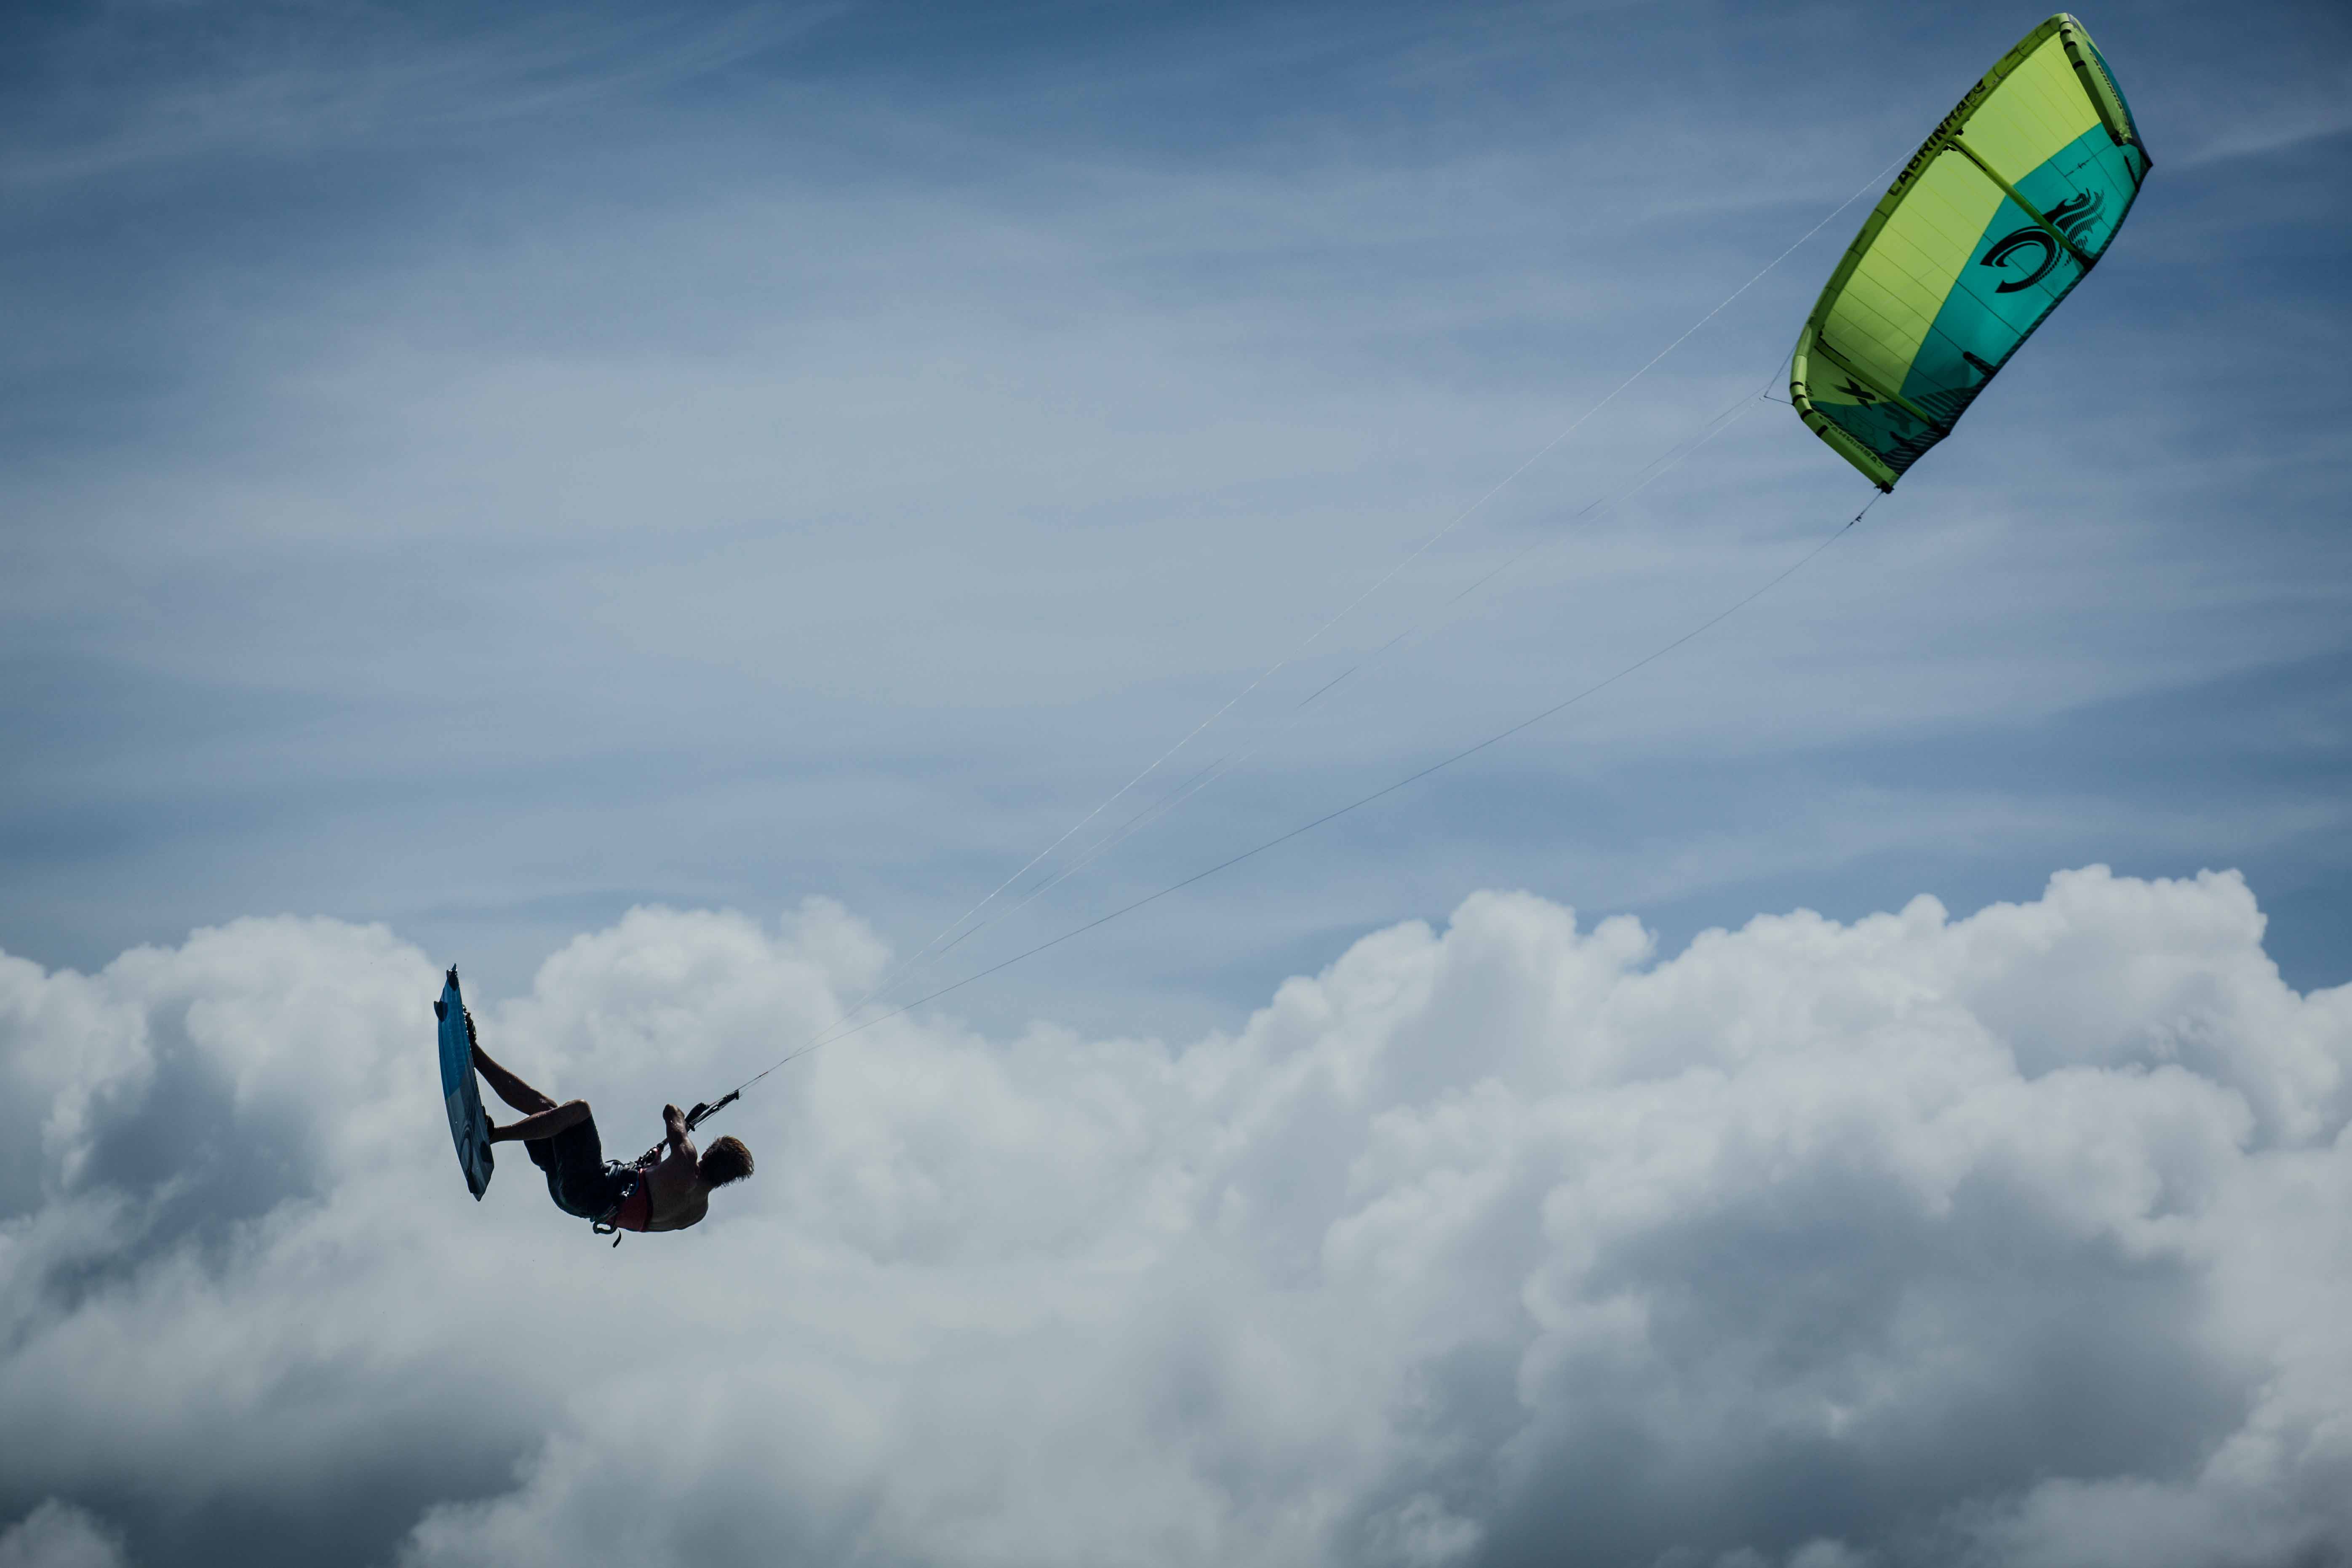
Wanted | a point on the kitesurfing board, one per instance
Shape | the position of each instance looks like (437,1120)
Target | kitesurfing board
(467,1125)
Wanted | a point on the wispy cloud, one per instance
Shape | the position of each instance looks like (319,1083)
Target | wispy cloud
(2279,129)
(159,86)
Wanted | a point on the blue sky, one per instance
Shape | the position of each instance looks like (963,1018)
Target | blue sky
(483,476)
(667,511)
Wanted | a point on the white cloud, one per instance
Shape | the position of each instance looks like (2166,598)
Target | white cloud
(2017,1237)
(59,1535)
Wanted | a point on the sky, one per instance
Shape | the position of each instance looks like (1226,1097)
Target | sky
(672,511)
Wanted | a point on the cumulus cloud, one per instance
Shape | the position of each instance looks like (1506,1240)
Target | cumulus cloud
(2013,1238)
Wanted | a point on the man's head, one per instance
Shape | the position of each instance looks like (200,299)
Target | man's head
(725,1161)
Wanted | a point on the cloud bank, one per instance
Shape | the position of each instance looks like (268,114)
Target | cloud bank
(2015,1238)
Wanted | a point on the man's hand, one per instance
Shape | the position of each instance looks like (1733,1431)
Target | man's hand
(673,1128)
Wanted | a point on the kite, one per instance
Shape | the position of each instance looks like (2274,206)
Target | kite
(1993,221)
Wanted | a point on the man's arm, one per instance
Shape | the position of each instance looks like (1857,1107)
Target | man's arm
(677,1203)
(679,1162)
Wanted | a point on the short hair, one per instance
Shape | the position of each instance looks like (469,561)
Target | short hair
(725,1161)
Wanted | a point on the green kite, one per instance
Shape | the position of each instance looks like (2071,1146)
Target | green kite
(1991,222)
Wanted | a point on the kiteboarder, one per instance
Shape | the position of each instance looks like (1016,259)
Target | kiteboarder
(670,1193)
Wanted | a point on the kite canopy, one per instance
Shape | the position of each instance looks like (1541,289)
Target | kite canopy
(1995,218)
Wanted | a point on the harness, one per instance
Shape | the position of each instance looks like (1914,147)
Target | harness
(632,1213)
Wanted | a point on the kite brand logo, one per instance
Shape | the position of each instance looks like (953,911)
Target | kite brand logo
(2075,217)
(2072,218)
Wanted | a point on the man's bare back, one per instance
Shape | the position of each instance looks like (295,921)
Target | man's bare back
(678,1194)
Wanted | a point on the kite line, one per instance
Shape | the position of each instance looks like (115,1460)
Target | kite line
(951,935)
(946,934)
(1660,651)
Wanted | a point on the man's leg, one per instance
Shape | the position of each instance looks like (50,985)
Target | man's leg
(510,1089)
(545,1124)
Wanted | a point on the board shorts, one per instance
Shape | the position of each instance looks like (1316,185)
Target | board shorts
(578,1178)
